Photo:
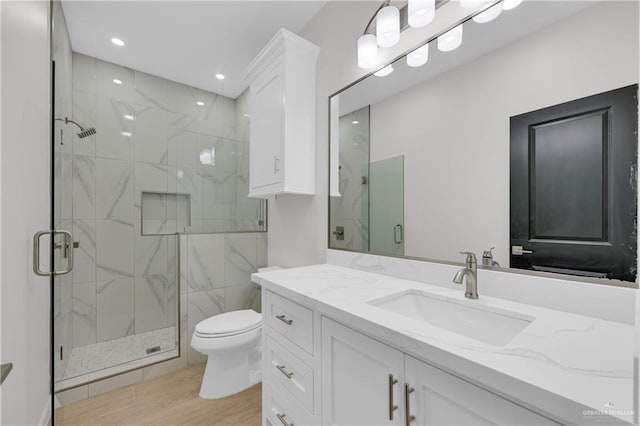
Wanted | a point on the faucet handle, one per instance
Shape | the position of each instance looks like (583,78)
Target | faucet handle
(487,253)
(471,256)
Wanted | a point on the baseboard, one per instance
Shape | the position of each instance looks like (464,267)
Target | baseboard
(46,413)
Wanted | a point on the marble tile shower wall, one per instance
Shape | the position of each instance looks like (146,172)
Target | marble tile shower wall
(216,276)
(149,135)
(351,209)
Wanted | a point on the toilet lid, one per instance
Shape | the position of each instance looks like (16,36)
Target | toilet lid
(229,323)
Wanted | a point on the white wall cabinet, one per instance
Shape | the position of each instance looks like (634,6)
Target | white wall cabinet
(282,99)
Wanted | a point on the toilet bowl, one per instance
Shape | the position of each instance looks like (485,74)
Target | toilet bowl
(232,344)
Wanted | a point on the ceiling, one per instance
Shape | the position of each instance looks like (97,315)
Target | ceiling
(185,41)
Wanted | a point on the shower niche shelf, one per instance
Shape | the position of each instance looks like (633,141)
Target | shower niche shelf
(165,213)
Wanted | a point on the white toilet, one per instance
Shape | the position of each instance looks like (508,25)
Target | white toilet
(232,343)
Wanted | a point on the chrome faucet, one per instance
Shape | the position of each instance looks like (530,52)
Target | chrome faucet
(470,272)
(487,258)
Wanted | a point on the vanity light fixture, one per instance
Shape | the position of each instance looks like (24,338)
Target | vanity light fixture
(388,26)
(450,40)
(418,57)
(220,76)
(421,12)
(489,15)
(200,103)
(510,4)
(117,42)
(384,71)
(116,81)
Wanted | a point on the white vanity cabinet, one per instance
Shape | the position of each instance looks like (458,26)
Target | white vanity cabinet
(367,382)
(282,100)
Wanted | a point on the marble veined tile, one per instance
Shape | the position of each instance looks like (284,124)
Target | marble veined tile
(107,77)
(114,190)
(206,263)
(245,296)
(241,258)
(151,302)
(115,250)
(151,254)
(84,187)
(115,128)
(150,90)
(84,73)
(150,135)
(84,314)
(182,99)
(84,267)
(84,112)
(115,309)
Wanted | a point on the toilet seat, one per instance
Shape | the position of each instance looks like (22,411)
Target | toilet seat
(228,324)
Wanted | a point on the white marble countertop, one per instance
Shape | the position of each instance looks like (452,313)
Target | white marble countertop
(574,369)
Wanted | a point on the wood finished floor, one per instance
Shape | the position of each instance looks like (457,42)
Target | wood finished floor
(167,400)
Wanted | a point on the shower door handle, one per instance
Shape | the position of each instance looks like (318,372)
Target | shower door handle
(68,241)
(398,236)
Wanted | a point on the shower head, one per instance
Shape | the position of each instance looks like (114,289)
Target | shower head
(83,133)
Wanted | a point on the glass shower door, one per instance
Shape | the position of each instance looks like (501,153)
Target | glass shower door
(386,211)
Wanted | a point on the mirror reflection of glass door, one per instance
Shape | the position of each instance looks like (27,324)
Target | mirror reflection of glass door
(386,200)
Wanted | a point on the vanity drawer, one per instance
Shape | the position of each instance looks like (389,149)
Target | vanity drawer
(280,410)
(293,321)
(284,368)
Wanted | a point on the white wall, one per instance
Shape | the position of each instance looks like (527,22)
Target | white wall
(454,130)
(25,154)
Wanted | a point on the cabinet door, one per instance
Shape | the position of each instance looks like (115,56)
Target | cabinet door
(439,398)
(267,128)
(356,385)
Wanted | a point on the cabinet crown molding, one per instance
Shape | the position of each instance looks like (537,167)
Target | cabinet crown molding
(283,41)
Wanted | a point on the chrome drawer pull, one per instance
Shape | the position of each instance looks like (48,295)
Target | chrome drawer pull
(285,372)
(407,401)
(284,319)
(392,407)
(281,418)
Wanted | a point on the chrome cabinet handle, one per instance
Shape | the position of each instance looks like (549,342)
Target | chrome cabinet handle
(408,390)
(282,420)
(398,236)
(519,251)
(68,241)
(284,319)
(392,407)
(284,371)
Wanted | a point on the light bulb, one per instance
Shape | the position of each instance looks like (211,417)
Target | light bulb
(388,26)
(421,12)
(418,57)
(488,15)
(384,71)
(117,42)
(367,51)
(510,4)
(450,40)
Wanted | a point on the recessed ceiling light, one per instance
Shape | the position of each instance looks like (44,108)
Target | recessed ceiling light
(247,115)
(220,76)
(200,103)
(128,116)
(117,42)
(355,122)
(116,81)
(127,134)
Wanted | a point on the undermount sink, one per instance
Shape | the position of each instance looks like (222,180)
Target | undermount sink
(493,326)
